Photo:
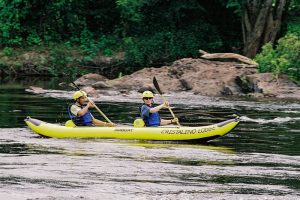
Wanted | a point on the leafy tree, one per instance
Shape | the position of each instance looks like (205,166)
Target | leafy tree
(30,22)
(293,23)
(150,32)
(261,21)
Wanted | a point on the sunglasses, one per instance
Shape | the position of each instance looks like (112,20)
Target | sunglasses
(146,98)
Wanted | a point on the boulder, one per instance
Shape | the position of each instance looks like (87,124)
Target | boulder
(226,91)
(281,87)
(202,77)
(199,76)
(91,92)
(146,87)
(100,85)
(247,85)
(185,84)
(90,79)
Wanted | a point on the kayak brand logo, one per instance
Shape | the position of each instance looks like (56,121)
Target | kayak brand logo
(204,130)
(192,131)
(123,130)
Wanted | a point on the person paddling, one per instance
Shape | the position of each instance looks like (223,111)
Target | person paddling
(150,114)
(80,114)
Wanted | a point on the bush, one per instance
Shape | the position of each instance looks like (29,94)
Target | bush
(161,47)
(283,59)
(150,32)
(8,51)
(63,62)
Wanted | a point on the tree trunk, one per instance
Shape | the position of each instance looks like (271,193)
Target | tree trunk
(212,56)
(261,22)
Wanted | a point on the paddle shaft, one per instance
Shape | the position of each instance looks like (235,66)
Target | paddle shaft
(171,111)
(106,118)
(156,85)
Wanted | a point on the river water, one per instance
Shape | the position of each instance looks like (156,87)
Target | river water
(260,159)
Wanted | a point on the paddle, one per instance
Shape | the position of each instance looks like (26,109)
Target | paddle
(155,83)
(92,103)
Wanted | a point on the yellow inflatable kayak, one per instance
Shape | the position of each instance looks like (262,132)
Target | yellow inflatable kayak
(204,133)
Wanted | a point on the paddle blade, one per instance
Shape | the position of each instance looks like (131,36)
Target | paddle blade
(155,83)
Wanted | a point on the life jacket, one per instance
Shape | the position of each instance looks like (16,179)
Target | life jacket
(152,120)
(84,120)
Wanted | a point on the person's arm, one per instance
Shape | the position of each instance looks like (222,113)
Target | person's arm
(84,110)
(157,108)
(165,121)
(168,121)
(98,122)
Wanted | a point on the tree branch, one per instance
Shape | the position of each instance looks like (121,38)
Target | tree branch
(210,56)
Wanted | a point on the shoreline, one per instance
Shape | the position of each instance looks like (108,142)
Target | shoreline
(179,98)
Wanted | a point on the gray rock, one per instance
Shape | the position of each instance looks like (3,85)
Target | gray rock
(145,88)
(185,84)
(100,85)
(90,79)
(226,91)
(206,78)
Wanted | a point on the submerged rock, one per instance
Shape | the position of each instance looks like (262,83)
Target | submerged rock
(37,90)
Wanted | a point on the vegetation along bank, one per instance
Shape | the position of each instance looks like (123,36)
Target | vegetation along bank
(117,37)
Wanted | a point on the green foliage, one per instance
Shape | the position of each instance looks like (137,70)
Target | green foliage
(294,26)
(150,32)
(294,6)
(120,75)
(283,59)
(8,51)
(62,62)
(108,52)
(293,23)
(30,22)
(167,46)
(265,58)
(34,39)
(131,9)
(237,5)
(162,31)
(133,54)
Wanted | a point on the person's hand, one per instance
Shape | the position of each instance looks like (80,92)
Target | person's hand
(166,104)
(90,104)
(110,124)
(175,120)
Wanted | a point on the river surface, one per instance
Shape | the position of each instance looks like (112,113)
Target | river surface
(259,159)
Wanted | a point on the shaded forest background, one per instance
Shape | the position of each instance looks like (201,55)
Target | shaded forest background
(115,37)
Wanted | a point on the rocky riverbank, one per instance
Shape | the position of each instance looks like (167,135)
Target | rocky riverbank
(200,77)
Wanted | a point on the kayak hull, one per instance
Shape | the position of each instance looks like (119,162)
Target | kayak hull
(128,132)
